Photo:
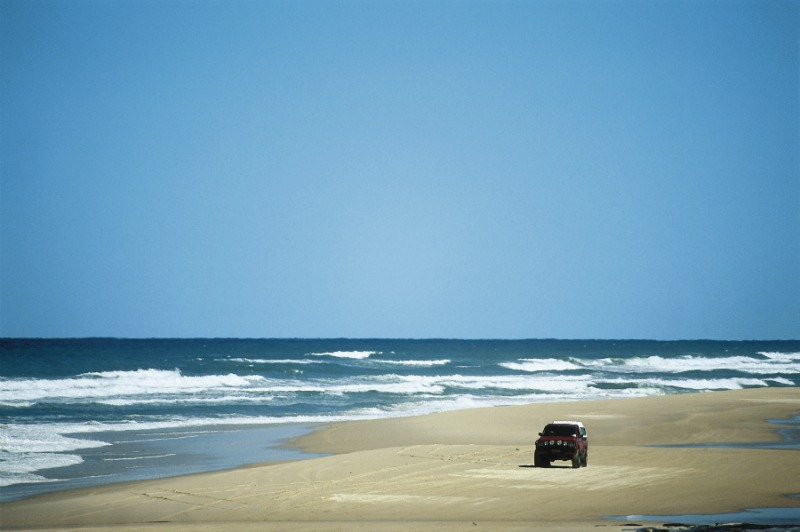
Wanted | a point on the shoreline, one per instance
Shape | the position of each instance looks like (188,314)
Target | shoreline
(192,450)
(451,469)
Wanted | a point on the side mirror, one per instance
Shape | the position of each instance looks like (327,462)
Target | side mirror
(541,434)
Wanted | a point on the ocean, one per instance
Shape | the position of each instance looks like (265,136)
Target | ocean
(85,412)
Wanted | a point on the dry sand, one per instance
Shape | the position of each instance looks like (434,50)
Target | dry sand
(470,470)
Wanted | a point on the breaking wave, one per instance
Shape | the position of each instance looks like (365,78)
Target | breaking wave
(771,363)
(357,355)
(109,384)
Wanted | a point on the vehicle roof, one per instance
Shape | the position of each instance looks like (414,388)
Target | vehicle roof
(567,423)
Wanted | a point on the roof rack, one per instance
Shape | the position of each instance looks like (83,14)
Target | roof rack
(567,423)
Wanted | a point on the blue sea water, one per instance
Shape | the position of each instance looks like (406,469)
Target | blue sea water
(82,412)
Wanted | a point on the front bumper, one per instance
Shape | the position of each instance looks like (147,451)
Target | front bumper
(556,454)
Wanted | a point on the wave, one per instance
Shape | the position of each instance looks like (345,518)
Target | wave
(9,479)
(694,384)
(358,355)
(16,404)
(541,364)
(781,356)
(117,383)
(271,361)
(36,461)
(415,363)
(191,400)
(17,438)
(772,363)
(686,363)
(29,448)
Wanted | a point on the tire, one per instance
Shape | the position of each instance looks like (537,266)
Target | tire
(585,459)
(576,460)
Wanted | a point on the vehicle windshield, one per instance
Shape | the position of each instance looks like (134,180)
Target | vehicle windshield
(560,430)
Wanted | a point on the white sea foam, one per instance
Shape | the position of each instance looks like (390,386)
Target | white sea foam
(189,400)
(110,384)
(789,357)
(772,363)
(691,384)
(8,478)
(540,364)
(30,462)
(17,404)
(17,438)
(28,448)
(697,363)
(415,363)
(272,361)
(347,354)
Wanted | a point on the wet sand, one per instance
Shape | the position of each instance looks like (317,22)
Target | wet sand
(471,469)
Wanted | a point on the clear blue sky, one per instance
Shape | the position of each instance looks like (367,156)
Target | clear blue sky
(503,169)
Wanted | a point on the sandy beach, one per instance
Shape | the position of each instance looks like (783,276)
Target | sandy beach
(471,469)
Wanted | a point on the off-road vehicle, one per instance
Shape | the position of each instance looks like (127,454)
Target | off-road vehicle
(562,440)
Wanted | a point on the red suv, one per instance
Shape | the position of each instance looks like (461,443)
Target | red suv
(562,440)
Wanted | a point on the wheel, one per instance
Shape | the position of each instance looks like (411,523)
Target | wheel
(576,460)
(585,459)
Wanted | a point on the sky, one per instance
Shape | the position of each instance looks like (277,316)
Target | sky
(407,169)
